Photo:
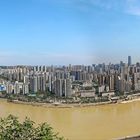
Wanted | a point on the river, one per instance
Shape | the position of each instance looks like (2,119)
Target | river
(88,123)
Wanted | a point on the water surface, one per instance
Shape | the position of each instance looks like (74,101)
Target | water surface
(88,123)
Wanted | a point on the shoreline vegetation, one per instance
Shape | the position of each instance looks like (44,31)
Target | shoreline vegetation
(61,105)
(56,104)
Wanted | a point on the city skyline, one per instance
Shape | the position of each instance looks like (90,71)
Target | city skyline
(45,32)
(128,61)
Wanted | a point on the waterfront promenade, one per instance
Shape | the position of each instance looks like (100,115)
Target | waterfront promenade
(132,98)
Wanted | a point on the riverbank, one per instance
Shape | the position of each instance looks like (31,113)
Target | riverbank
(129,101)
(62,105)
(137,137)
(53,105)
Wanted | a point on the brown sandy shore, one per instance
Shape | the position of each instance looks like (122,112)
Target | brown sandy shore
(130,138)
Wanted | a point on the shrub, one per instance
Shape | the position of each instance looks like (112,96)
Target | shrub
(12,129)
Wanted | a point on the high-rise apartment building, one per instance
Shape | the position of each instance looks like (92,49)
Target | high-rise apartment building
(68,90)
(129,61)
(33,84)
(25,88)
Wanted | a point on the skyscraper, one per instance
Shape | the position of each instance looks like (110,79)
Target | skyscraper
(58,87)
(129,60)
(68,92)
(33,84)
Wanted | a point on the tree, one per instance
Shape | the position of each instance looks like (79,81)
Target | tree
(12,129)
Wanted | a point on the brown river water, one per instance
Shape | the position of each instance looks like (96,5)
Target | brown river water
(105,122)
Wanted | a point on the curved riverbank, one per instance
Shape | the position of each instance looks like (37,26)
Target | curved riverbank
(129,101)
(61,105)
(136,137)
(53,105)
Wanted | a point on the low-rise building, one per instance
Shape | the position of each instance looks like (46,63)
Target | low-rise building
(108,94)
(86,93)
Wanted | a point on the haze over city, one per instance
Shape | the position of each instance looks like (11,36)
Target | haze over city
(37,32)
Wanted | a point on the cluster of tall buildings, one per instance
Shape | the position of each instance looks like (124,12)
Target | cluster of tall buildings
(62,87)
(66,81)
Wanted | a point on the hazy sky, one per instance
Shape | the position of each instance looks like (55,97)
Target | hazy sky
(69,31)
